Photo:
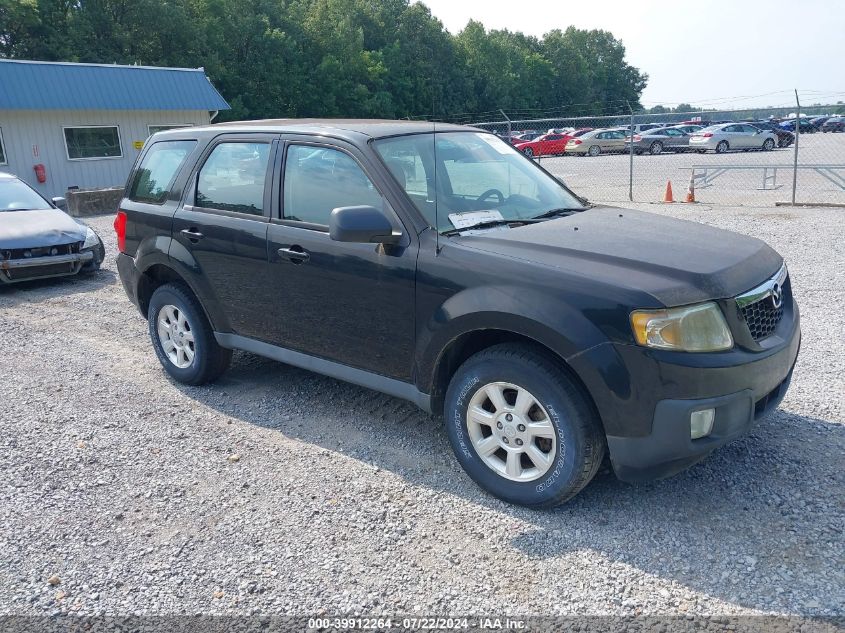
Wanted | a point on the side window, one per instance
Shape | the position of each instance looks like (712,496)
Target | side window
(600,135)
(158,170)
(319,179)
(232,178)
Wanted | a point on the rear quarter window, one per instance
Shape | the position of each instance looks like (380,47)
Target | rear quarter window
(158,170)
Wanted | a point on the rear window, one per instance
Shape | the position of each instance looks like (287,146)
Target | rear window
(158,170)
(233,176)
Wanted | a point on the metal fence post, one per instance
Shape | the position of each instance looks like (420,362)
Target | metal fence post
(795,158)
(631,158)
(509,124)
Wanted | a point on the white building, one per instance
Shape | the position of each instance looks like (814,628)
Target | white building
(83,125)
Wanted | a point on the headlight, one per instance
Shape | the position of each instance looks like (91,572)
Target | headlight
(91,239)
(698,328)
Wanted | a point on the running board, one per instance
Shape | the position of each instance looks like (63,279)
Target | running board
(360,377)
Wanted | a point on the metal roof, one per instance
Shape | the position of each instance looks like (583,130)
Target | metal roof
(33,85)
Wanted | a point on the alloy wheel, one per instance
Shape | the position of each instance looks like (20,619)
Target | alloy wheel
(511,431)
(175,336)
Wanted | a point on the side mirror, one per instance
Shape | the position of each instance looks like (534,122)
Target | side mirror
(363,225)
(60,202)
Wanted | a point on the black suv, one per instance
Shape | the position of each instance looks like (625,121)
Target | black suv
(436,263)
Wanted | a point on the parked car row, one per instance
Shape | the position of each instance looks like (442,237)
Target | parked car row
(719,138)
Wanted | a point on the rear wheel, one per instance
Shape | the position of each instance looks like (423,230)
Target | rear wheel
(594,150)
(182,336)
(656,148)
(520,427)
(722,147)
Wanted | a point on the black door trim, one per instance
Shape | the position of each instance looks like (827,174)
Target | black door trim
(363,378)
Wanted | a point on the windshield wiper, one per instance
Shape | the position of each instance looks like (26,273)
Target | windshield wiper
(489,224)
(553,213)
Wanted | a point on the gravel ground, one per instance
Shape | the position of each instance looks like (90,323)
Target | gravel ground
(282,492)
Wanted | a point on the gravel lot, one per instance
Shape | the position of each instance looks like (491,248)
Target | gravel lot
(606,177)
(282,492)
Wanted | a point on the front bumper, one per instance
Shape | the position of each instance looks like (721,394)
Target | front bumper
(645,397)
(669,449)
(17,270)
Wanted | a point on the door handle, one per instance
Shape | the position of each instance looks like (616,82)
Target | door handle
(192,234)
(294,254)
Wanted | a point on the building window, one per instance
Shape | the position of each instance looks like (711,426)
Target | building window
(3,160)
(159,128)
(84,143)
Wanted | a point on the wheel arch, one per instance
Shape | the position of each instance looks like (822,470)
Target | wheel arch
(159,274)
(471,342)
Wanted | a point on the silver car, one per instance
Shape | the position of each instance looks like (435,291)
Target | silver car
(660,140)
(732,136)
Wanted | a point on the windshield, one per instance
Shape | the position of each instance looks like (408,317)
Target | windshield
(471,172)
(17,196)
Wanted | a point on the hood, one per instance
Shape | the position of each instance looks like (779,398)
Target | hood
(41,227)
(675,261)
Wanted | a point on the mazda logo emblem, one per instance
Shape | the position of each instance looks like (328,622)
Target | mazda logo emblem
(777,296)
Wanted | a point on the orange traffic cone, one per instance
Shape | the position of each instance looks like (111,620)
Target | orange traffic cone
(691,190)
(668,197)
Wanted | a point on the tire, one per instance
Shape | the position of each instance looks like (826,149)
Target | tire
(594,150)
(768,145)
(575,442)
(208,360)
(656,148)
(722,147)
(528,152)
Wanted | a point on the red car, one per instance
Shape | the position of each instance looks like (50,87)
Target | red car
(549,144)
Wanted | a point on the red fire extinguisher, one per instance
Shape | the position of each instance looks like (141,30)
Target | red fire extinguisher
(40,172)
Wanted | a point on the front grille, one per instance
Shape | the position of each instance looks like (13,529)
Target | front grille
(762,318)
(34,272)
(762,307)
(41,251)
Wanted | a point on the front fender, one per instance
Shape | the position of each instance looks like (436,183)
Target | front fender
(528,312)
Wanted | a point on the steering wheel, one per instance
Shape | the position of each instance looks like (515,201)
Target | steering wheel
(489,193)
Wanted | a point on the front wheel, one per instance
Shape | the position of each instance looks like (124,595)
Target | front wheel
(528,152)
(182,336)
(768,145)
(521,428)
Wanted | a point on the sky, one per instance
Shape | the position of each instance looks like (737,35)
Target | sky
(715,53)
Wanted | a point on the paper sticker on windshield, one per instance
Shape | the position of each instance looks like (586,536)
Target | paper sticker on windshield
(495,142)
(471,218)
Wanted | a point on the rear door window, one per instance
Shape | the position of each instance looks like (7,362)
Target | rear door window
(158,170)
(233,177)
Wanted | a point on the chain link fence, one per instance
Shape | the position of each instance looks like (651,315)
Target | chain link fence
(755,156)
